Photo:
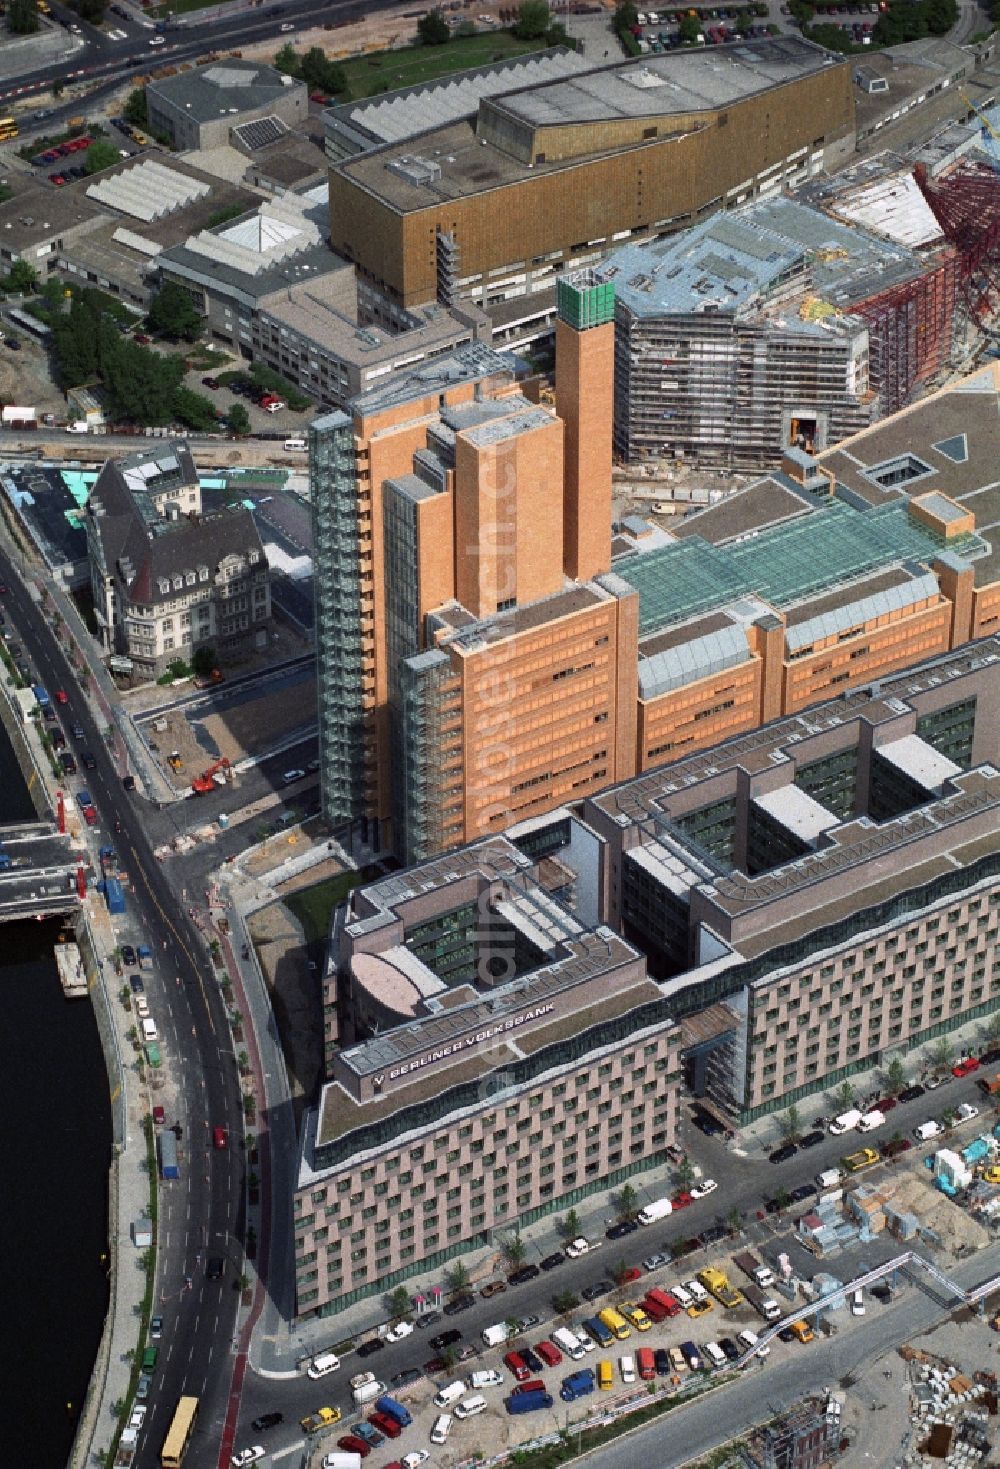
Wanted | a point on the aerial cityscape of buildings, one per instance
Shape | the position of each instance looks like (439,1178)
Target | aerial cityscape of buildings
(503,509)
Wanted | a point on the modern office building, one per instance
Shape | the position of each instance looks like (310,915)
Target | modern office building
(166,579)
(851,912)
(509,1027)
(511,1060)
(553,175)
(487,652)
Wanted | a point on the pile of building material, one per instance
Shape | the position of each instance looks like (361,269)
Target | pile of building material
(875,1208)
(951,1414)
(824,1229)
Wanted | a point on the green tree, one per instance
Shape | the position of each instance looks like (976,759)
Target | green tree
(734,1220)
(400,1303)
(239,419)
(895,1076)
(456,1279)
(783,1198)
(941,1054)
(689,29)
(626,16)
(100,155)
(993,1026)
(58,87)
(320,74)
(23,277)
(533,20)
(791,1124)
(194,410)
(173,314)
(514,1250)
(627,1203)
(565,1302)
(203,660)
(433,30)
(844,1095)
(684,1173)
(619,1271)
(22,16)
(288,60)
(135,110)
(54,296)
(569,1225)
(90,10)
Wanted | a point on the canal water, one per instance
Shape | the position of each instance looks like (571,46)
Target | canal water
(55,1144)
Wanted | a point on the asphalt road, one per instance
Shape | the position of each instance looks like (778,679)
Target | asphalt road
(106,63)
(202,1215)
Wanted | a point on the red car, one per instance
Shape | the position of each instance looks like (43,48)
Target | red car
(518,1366)
(549,1354)
(385,1424)
(317,97)
(143,339)
(681,1200)
(159,1116)
(966,1067)
(352,1445)
(90,815)
(534,1384)
(61,696)
(632,1273)
(885,1104)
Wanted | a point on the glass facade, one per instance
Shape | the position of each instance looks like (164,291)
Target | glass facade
(951,731)
(713,830)
(446,943)
(655,920)
(343,602)
(428,756)
(832,781)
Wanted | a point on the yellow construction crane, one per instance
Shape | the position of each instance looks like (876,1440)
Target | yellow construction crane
(994,134)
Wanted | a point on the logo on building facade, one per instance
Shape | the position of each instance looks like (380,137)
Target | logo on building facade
(490,1033)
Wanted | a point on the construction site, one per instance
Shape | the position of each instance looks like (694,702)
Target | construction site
(795,321)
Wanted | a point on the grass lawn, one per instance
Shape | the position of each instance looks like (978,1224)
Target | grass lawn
(314,906)
(384,71)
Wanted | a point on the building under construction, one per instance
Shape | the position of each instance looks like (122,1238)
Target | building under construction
(805,1438)
(740,338)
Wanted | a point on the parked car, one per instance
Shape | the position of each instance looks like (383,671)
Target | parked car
(621,1229)
(551,1261)
(369,1348)
(445,1339)
(912,1093)
(811,1139)
(782,1154)
(129,956)
(459,1304)
(523,1275)
(703,1189)
(428,1319)
(596,1289)
(966,1066)
(493,1288)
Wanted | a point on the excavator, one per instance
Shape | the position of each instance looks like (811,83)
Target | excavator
(203,783)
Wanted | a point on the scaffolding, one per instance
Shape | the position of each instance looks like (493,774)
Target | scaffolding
(804,1438)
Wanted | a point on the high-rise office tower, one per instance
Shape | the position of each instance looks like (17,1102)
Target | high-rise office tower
(477,665)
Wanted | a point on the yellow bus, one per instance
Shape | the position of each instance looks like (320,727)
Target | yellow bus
(178,1439)
(8,129)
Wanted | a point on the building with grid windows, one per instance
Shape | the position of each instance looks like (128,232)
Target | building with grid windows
(489,651)
(509,1027)
(517,1059)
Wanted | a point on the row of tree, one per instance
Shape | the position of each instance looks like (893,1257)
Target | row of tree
(905,20)
(319,73)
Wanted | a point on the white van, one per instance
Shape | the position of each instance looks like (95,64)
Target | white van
(295,446)
(715,1354)
(495,1336)
(567,1343)
(584,1342)
(487,1378)
(442,1428)
(870,1121)
(682,1296)
(627,1369)
(846,1122)
(829,1178)
(450,1395)
(858,1303)
(696,1290)
(322,1366)
(469,1407)
(141,1007)
(927,1130)
(749,1339)
(149,1031)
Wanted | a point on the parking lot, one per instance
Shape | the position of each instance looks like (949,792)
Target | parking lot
(536,1361)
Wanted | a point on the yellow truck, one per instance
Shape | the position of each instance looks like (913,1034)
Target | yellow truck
(863,1158)
(615,1323)
(322,1418)
(717,1284)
